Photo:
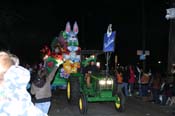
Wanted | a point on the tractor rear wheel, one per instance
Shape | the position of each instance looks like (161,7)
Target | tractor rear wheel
(82,104)
(73,90)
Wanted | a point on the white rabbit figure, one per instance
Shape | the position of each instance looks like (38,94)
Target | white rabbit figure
(72,39)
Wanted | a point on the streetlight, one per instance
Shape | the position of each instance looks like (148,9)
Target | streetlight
(159,62)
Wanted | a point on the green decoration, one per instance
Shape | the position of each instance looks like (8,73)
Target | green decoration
(88,60)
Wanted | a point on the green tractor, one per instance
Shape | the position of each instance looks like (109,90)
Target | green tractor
(102,88)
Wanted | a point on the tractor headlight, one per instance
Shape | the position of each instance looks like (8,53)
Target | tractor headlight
(102,82)
(109,82)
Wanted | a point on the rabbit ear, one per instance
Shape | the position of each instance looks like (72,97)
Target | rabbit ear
(68,27)
(75,28)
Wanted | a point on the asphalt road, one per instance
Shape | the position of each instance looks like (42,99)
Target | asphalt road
(134,107)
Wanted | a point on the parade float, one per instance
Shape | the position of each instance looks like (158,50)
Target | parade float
(66,53)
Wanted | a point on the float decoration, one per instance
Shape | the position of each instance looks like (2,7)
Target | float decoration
(64,50)
(72,58)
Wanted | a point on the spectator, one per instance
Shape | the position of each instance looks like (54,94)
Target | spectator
(165,91)
(131,80)
(140,72)
(156,83)
(125,81)
(15,100)
(119,77)
(145,84)
(41,89)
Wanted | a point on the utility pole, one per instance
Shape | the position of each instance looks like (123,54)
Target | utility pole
(171,16)
(143,33)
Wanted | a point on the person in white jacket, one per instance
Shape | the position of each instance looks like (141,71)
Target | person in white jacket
(14,98)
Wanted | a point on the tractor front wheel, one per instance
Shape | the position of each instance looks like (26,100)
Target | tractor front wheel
(82,104)
(68,90)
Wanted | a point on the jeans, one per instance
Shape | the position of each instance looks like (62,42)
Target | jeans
(131,88)
(125,86)
(140,89)
(119,91)
(164,99)
(156,95)
(144,88)
(43,106)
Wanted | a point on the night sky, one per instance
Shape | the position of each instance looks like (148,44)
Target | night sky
(25,27)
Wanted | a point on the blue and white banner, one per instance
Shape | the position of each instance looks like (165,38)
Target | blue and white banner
(109,42)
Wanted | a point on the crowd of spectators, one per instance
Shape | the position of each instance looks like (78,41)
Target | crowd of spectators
(154,87)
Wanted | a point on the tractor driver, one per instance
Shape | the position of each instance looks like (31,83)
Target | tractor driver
(90,69)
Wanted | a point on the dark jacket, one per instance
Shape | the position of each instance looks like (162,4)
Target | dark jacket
(91,68)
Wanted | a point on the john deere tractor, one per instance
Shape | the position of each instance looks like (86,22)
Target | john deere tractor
(103,88)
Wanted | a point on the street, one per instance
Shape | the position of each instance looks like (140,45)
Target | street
(134,107)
